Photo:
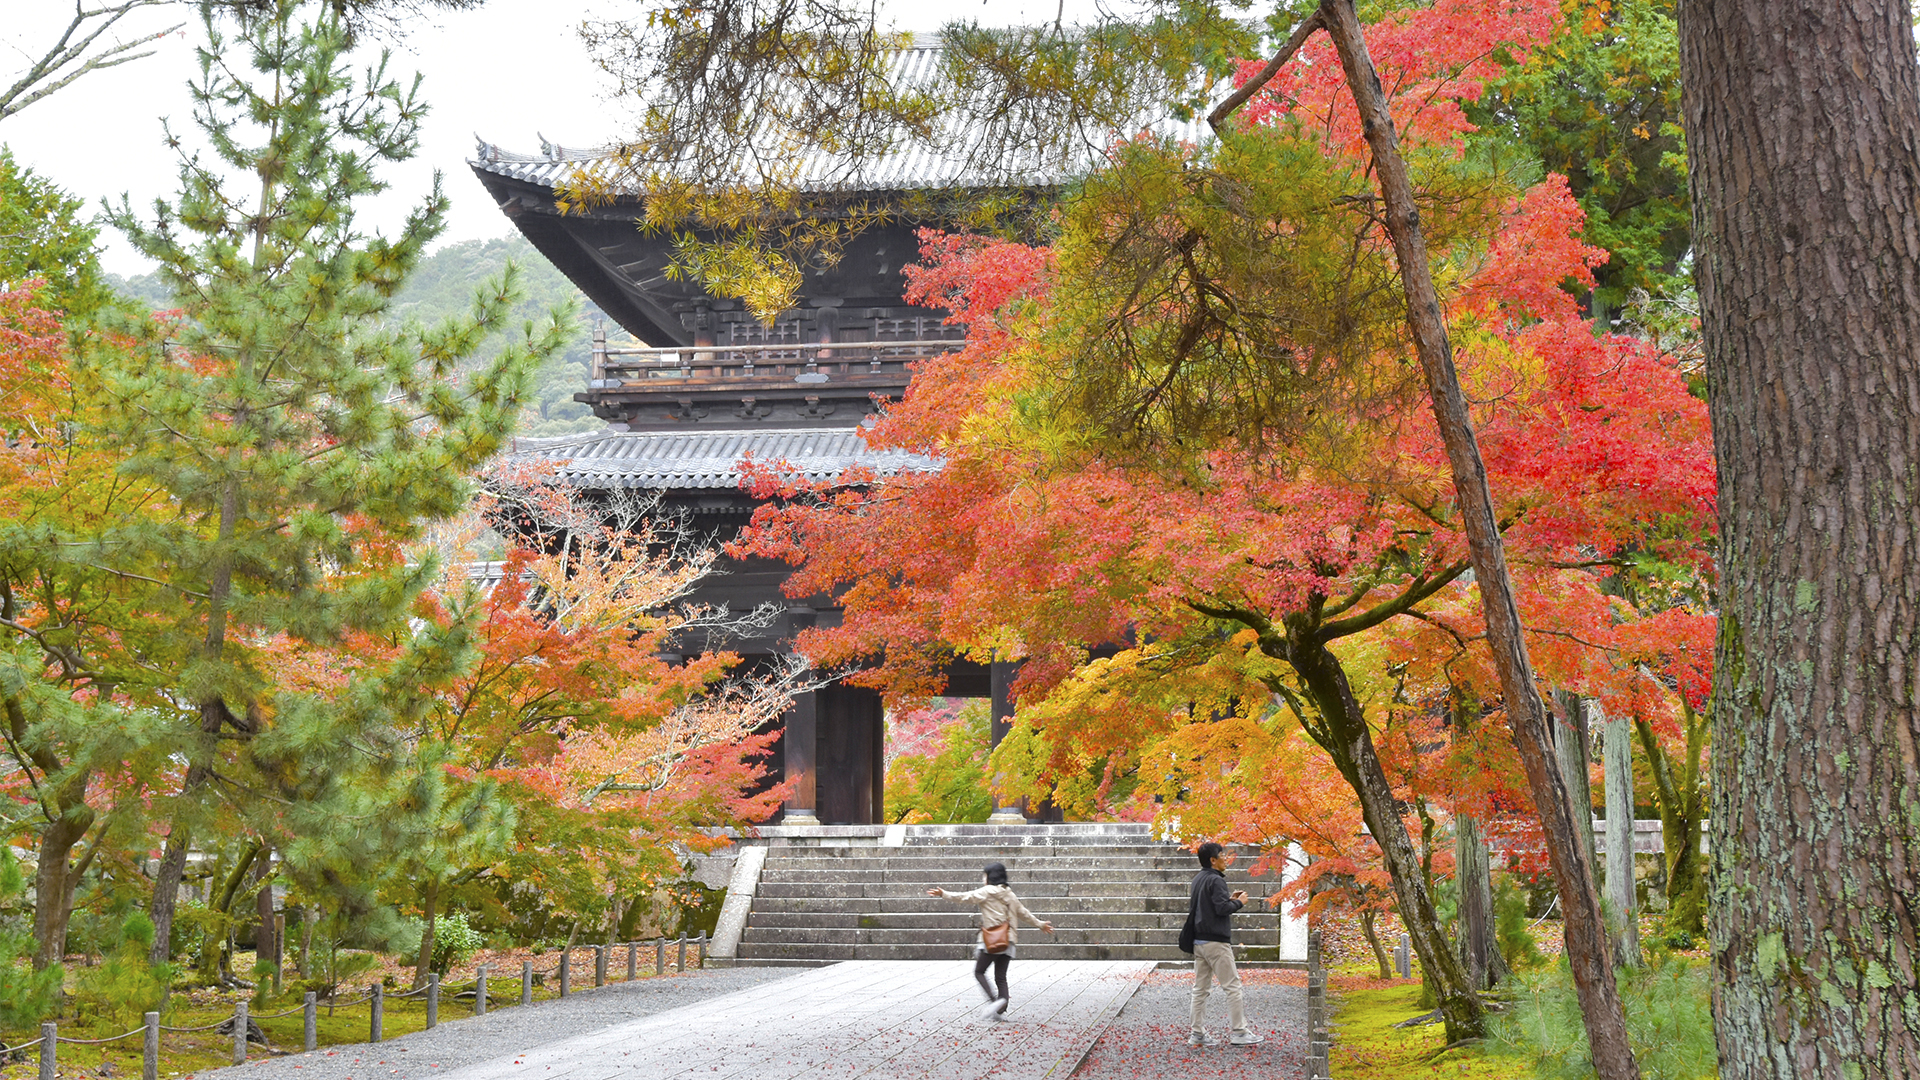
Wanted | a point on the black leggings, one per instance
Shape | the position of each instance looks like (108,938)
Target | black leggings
(999,961)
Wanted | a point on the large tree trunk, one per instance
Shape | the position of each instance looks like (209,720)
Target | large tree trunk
(54,880)
(1587,953)
(428,909)
(166,894)
(1570,740)
(1803,138)
(1473,874)
(68,819)
(266,936)
(1621,897)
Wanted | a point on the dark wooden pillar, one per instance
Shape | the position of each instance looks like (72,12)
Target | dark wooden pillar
(799,748)
(877,763)
(852,731)
(1000,676)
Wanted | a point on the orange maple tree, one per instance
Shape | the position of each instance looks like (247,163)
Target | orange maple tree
(1269,587)
(616,753)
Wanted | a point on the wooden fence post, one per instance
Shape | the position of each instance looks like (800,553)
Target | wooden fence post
(433,999)
(633,961)
(49,1049)
(681,964)
(526,982)
(660,956)
(599,966)
(480,990)
(379,1005)
(150,1048)
(566,970)
(309,1021)
(700,950)
(240,1033)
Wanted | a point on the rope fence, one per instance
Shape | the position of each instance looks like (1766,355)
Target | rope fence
(246,1028)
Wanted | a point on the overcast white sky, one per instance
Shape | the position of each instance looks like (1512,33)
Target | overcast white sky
(511,71)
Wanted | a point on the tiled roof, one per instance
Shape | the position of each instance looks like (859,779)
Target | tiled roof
(909,167)
(693,460)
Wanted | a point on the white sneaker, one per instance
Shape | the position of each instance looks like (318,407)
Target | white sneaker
(1199,1038)
(989,1010)
(1248,1038)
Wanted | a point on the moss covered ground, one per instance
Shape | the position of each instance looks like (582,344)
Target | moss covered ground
(1366,1045)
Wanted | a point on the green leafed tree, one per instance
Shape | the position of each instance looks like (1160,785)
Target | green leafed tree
(1600,105)
(44,235)
(946,780)
(25,996)
(302,443)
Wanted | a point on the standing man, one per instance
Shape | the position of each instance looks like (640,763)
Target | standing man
(1210,908)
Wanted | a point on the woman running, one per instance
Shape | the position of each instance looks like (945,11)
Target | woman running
(998,910)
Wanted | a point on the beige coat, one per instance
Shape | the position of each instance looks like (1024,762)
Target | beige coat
(997,905)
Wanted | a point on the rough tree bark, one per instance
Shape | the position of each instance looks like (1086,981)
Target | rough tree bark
(1676,791)
(1571,737)
(1618,760)
(1803,139)
(430,911)
(1368,929)
(68,817)
(266,936)
(1586,938)
(1473,873)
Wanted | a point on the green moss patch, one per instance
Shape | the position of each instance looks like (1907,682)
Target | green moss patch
(1366,1045)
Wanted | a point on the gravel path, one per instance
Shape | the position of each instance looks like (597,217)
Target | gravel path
(504,1030)
(1149,1037)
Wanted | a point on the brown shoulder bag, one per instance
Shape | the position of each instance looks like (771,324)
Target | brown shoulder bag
(997,939)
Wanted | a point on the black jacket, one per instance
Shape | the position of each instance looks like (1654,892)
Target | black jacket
(1210,904)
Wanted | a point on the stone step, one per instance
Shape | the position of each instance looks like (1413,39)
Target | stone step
(765,961)
(960,880)
(1065,935)
(990,852)
(755,953)
(1028,891)
(1132,918)
(866,861)
(813,903)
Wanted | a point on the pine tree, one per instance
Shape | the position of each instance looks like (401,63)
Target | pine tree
(302,444)
(24,997)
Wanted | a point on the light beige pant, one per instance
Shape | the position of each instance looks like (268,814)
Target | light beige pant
(1213,963)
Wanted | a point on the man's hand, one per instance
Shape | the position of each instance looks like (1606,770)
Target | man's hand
(1240,895)
(1047,926)
(936,892)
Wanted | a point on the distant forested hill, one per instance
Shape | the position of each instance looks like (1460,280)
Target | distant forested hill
(443,286)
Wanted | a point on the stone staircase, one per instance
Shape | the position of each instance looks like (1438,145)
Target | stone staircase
(1111,890)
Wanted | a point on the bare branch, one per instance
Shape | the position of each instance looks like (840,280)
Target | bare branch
(79,50)
(1239,97)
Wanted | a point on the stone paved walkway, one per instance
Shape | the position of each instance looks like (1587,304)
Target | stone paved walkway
(1148,1040)
(871,1019)
(461,1041)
